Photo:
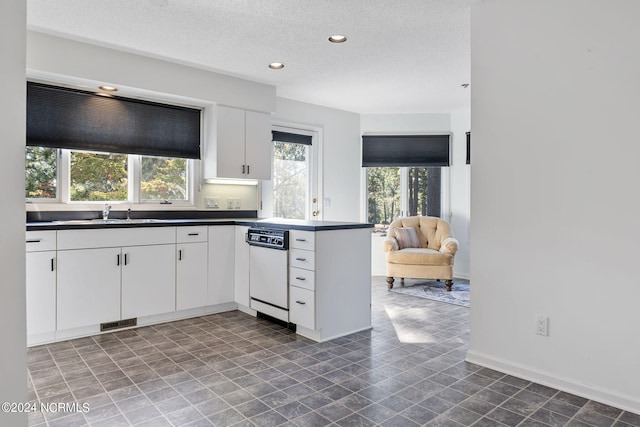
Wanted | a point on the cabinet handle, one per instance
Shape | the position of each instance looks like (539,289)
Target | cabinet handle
(301,259)
(242,169)
(301,240)
(180,255)
(53,261)
(126,259)
(300,302)
(300,278)
(248,170)
(34,240)
(118,259)
(194,234)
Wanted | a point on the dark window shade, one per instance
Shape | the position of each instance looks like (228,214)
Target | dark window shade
(468,148)
(405,150)
(290,137)
(77,120)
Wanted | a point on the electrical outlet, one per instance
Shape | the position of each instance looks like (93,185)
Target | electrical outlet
(229,203)
(212,202)
(542,325)
(236,203)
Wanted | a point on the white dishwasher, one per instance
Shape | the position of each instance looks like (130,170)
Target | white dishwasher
(269,272)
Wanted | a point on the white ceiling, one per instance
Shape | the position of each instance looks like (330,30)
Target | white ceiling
(402,56)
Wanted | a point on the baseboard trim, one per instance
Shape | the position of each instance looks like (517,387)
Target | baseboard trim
(464,276)
(588,391)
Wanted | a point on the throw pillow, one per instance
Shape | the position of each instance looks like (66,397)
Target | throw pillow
(407,237)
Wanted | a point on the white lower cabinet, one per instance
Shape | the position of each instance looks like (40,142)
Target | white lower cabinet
(191,275)
(330,282)
(41,292)
(221,286)
(191,267)
(106,275)
(41,281)
(148,280)
(242,267)
(88,287)
(302,309)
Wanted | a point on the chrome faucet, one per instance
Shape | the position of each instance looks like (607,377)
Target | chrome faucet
(105,212)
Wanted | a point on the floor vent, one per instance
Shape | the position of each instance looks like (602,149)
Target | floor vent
(109,326)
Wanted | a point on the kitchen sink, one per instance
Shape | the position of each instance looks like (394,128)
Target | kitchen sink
(107,221)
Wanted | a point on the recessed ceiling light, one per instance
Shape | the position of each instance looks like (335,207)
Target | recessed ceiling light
(108,88)
(276,65)
(338,38)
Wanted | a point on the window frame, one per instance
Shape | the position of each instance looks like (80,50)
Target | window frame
(63,181)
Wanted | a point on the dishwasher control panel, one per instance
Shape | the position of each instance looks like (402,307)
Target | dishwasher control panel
(268,237)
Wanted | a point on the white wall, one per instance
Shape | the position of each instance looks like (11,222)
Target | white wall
(13,357)
(457,124)
(460,188)
(555,227)
(341,154)
(51,57)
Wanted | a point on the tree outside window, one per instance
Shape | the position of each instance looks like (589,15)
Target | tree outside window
(41,173)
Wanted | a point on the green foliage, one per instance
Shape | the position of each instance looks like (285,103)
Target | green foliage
(41,172)
(98,177)
(163,178)
(289,180)
(383,189)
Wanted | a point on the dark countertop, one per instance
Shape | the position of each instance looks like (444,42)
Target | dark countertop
(288,224)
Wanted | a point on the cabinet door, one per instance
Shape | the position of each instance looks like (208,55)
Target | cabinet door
(41,292)
(88,287)
(258,145)
(191,275)
(230,137)
(302,307)
(148,280)
(221,280)
(242,266)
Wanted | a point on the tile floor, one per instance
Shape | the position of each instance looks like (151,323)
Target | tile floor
(232,369)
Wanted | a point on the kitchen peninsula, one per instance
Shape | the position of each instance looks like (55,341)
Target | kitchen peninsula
(86,275)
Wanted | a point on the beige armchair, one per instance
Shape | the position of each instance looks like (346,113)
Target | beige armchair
(426,253)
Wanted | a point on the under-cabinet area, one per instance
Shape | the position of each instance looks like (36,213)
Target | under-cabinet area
(83,282)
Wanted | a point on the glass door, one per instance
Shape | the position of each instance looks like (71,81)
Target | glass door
(292,192)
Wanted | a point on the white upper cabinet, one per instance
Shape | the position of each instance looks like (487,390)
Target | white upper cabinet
(238,144)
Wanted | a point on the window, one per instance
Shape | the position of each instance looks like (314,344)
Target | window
(98,177)
(393,192)
(41,173)
(403,176)
(163,178)
(83,147)
(290,180)
(101,177)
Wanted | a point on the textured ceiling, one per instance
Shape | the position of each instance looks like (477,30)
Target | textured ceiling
(402,56)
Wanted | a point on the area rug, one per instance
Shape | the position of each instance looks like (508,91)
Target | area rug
(434,290)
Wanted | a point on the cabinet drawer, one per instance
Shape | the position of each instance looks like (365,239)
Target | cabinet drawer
(41,241)
(114,237)
(302,307)
(302,259)
(302,240)
(302,278)
(191,234)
